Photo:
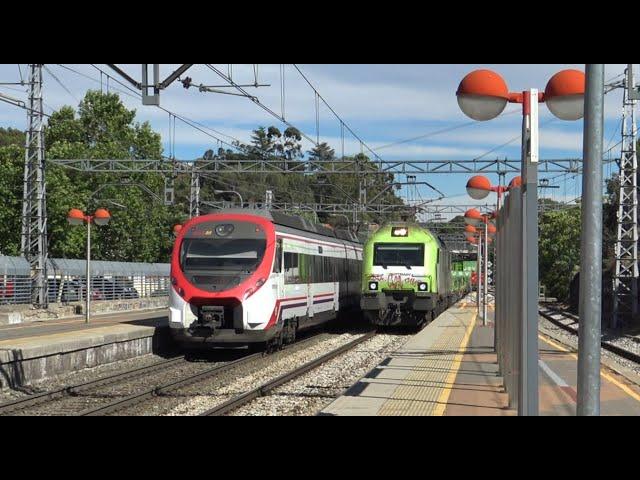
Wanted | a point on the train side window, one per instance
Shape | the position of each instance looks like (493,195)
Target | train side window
(277,263)
(291,268)
(317,269)
(304,264)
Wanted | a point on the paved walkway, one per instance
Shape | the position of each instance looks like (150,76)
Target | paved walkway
(450,368)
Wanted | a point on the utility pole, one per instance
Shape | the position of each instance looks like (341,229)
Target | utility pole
(591,246)
(34,205)
(625,287)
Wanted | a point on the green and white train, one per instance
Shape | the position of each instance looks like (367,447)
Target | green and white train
(407,276)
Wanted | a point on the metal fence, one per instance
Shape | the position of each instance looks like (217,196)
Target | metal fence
(509,293)
(15,280)
(66,280)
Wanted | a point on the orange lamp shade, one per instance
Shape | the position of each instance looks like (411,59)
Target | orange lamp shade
(478,187)
(482,95)
(515,182)
(75,217)
(101,217)
(564,94)
(472,217)
(470,230)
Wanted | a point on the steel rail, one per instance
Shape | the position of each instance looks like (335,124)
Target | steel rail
(621,352)
(265,388)
(72,390)
(165,388)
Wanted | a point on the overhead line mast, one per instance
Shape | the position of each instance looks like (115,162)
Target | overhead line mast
(625,280)
(34,205)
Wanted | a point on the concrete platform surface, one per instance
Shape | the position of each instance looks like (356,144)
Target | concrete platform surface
(414,380)
(450,369)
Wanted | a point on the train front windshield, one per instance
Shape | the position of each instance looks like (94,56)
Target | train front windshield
(222,254)
(217,256)
(398,254)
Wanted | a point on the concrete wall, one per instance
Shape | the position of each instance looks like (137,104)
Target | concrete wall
(35,361)
(10,314)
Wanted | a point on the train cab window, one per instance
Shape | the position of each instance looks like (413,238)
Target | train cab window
(277,263)
(398,254)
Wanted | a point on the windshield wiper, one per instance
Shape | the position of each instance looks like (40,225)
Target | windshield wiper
(407,266)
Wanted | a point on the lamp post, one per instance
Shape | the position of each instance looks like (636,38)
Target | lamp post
(478,187)
(101,217)
(483,95)
(474,218)
(474,239)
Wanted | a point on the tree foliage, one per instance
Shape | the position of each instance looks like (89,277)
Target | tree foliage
(559,250)
(102,127)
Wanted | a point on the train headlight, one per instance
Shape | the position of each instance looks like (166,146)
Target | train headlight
(224,229)
(422,287)
(373,285)
(399,232)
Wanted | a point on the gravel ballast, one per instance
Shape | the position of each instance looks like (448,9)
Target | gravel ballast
(207,397)
(310,393)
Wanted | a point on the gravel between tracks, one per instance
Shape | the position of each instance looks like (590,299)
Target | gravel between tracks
(572,340)
(206,397)
(310,393)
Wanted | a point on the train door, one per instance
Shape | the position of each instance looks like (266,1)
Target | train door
(335,279)
(277,276)
(307,261)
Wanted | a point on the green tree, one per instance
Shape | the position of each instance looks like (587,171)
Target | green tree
(102,127)
(11,186)
(559,250)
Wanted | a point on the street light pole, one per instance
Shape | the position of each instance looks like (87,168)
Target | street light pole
(591,246)
(482,95)
(88,274)
(528,404)
(479,275)
(485,272)
(77,217)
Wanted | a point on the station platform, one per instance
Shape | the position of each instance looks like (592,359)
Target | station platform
(37,350)
(450,369)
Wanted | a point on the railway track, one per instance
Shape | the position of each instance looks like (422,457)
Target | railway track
(267,387)
(549,313)
(16,406)
(97,397)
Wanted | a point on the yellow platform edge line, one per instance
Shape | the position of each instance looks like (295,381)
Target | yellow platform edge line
(455,366)
(603,374)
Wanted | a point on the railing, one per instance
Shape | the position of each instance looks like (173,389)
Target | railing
(66,280)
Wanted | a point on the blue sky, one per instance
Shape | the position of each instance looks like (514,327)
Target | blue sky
(381,103)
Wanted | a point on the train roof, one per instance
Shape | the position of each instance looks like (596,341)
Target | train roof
(297,223)
(436,238)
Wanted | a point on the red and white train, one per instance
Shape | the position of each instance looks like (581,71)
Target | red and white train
(257,277)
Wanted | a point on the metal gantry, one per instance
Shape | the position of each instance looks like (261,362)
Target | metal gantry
(34,205)
(625,300)
(341,166)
